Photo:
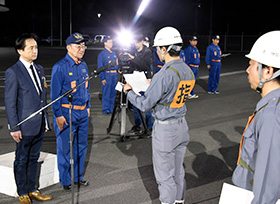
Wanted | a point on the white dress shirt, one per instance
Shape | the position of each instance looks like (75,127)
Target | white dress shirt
(27,66)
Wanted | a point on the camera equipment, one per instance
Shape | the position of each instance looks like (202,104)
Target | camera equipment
(121,102)
(124,63)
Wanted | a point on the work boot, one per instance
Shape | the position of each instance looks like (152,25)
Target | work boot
(146,134)
(135,130)
(24,199)
(38,196)
(67,187)
(82,183)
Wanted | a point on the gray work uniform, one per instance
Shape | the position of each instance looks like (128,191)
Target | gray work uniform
(170,134)
(259,166)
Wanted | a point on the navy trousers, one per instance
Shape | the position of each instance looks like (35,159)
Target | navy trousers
(80,122)
(214,76)
(109,92)
(149,118)
(195,72)
(25,164)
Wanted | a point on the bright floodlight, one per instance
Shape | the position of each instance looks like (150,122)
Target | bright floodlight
(125,38)
(141,9)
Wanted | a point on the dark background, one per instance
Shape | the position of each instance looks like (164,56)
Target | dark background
(189,16)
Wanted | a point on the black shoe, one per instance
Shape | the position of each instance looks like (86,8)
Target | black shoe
(82,183)
(147,134)
(67,187)
(135,130)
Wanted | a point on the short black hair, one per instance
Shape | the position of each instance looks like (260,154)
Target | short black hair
(277,78)
(172,52)
(274,70)
(20,41)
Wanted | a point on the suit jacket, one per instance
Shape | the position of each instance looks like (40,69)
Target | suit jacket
(22,99)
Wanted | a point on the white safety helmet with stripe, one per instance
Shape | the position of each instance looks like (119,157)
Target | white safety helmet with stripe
(266,51)
(168,36)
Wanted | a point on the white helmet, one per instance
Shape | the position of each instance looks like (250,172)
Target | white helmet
(167,36)
(266,49)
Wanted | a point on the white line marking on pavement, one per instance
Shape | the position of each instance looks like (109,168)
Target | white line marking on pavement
(225,74)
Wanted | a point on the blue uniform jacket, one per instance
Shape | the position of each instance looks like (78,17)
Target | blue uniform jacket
(158,64)
(66,74)
(260,151)
(22,98)
(104,58)
(183,55)
(213,53)
(192,55)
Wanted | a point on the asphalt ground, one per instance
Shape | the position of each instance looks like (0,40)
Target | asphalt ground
(121,172)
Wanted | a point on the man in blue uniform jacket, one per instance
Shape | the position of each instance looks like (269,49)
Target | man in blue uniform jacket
(108,77)
(66,74)
(193,60)
(25,93)
(213,61)
(158,64)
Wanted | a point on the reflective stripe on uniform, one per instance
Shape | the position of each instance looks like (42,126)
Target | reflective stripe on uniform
(193,65)
(75,107)
(111,71)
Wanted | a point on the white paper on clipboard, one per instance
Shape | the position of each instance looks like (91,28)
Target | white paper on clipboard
(137,81)
(235,195)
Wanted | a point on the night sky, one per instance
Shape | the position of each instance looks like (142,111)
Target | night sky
(231,17)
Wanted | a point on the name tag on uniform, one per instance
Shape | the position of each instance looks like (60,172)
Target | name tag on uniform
(183,90)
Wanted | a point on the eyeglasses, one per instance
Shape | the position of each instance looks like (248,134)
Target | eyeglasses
(79,47)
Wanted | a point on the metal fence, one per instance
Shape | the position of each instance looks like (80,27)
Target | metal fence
(229,43)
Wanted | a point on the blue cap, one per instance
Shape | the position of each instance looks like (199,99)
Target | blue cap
(216,37)
(106,38)
(147,39)
(193,38)
(75,38)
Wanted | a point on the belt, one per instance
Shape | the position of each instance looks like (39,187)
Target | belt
(75,107)
(216,60)
(111,71)
(172,121)
(193,65)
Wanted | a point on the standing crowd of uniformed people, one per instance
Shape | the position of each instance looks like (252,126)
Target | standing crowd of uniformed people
(171,72)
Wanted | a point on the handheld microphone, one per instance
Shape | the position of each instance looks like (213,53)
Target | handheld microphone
(102,69)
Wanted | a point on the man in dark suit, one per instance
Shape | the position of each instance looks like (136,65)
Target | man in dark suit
(25,93)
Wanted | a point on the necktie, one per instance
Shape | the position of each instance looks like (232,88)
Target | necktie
(35,78)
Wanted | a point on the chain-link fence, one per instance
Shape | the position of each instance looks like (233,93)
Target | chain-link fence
(228,43)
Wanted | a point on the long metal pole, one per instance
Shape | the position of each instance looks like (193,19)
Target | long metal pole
(46,106)
(95,73)
(70,97)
